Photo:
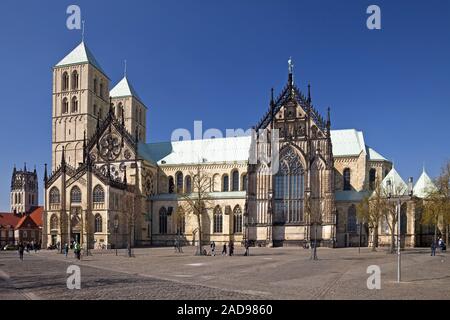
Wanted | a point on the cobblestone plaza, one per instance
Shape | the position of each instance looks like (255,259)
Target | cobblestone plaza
(275,273)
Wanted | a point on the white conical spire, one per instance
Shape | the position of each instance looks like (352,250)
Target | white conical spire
(81,54)
(123,89)
(424,186)
(399,187)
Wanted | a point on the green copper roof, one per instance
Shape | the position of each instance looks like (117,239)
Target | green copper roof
(424,186)
(81,54)
(124,89)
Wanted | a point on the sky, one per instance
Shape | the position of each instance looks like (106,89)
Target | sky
(215,61)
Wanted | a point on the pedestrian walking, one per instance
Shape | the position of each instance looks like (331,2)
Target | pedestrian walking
(21,249)
(175,245)
(231,248)
(66,249)
(246,244)
(213,248)
(224,250)
(433,248)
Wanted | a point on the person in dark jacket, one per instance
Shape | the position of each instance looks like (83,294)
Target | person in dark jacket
(224,251)
(21,248)
(433,248)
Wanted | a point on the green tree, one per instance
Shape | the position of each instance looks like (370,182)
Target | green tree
(371,209)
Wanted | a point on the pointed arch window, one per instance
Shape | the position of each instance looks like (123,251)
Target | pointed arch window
(101,89)
(244,182)
(74,104)
(289,189)
(65,81)
(181,221)
(162,220)
(347,185)
(98,194)
(351,219)
(65,106)
(372,178)
(75,80)
(171,184)
(54,196)
(188,184)
(95,86)
(237,219)
(235,180)
(179,178)
(98,223)
(225,183)
(218,220)
(75,195)
(54,222)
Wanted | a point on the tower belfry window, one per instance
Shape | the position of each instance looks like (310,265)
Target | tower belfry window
(74,104)
(75,80)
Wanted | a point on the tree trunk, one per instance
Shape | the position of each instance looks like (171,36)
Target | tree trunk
(200,246)
(392,248)
(375,238)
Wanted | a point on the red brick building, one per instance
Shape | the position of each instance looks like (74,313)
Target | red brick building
(24,228)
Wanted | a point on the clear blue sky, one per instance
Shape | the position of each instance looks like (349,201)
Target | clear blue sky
(216,61)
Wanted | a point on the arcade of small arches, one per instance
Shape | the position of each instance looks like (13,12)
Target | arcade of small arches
(219,183)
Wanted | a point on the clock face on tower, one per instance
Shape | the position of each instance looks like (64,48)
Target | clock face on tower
(110,147)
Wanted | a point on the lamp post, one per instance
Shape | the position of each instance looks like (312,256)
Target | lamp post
(397,199)
(116,226)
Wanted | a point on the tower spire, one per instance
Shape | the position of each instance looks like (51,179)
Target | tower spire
(82,31)
(125,69)
(25,167)
(45,173)
(291,71)
(272,102)
(309,93)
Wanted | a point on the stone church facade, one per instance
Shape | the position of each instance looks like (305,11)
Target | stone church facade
(108,187)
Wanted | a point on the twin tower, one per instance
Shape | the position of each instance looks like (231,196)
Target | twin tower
(81,98)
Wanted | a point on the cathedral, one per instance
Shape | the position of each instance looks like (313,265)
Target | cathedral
(108,187)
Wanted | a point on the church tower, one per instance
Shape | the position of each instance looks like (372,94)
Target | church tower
(24,190)
(127,103)
(80,96)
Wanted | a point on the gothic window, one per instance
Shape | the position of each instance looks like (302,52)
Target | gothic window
(244,182)
(181,221)
(218,220)
(225,183)
(54,196)
(75,195)
(99,194)
(54,222)
(65,81)
(74,80)
(119,110)
(98,223)
(101,89)
(351,219)
(171,185)
(372,178)
(100,113)
(95,109)
(289,189)
(95,86)
(74,104)
(188,185)
(65,106)
(162,220)
(235,180)
(237,220)
(347,185)
(179,178)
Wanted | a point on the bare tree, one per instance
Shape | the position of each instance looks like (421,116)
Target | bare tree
(390,212)
(371,209)
(436,205)
(198,202)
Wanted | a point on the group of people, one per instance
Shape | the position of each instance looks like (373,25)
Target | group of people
(29,246)
(440,244)
(76,249)
(226,251)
